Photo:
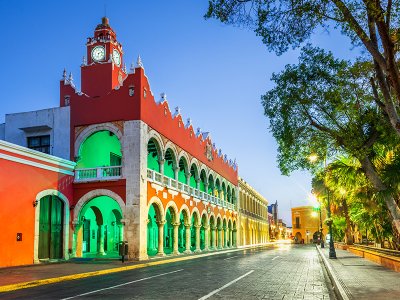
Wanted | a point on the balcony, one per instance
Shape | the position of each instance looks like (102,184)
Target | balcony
(171,183)
(98,174)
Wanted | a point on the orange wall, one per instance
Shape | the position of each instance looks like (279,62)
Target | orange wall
(19,185)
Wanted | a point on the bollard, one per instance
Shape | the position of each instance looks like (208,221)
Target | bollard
(123,250)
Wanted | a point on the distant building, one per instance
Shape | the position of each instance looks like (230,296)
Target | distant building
(306,224)
(253,215)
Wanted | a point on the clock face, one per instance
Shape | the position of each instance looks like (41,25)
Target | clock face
(116,57)
(98,53)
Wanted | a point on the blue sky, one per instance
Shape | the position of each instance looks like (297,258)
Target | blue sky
(213,72)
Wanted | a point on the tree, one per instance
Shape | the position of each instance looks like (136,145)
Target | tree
(371,24)
(324,105)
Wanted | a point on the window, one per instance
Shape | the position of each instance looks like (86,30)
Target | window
(115,160)
(297,222)
(39,143)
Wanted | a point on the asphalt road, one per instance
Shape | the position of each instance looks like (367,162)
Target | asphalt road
(282,272)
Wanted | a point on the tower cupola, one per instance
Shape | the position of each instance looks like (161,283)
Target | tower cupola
(104,68)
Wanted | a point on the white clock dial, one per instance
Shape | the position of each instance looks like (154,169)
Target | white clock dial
(116,57)
(98,53)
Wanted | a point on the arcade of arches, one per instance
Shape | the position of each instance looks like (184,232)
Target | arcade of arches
(99,230)
(176,232)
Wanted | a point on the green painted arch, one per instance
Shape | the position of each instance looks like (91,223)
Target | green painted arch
(229,194)
(100,149)
(169,163)
(153,155)
(223,188)
(217,188)
(183,170)
(169,231)
(203,181)
(101,216)
(211,186)
(194,174)
(152,230)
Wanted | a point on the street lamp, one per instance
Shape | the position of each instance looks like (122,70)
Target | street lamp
(332,253)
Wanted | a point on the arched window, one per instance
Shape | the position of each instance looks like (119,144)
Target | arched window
(194,174)
(169,164)
(183,169)
(153,160)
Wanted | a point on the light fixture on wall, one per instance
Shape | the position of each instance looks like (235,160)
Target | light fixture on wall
(35,203)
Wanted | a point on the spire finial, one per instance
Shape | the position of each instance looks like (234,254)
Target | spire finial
(64,74)
(70,78)
(139,63)
(104,21)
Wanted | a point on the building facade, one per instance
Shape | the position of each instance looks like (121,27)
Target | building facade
(36,192)
(142,174)
(253,215)
(306,224)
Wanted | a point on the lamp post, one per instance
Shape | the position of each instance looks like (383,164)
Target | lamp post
(332,253)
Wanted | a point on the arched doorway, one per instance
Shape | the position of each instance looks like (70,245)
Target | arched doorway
(298,238)
(212,236)
(203,232)
(101,230)
(184,221)
(51,220)
(169,231)
(152,230)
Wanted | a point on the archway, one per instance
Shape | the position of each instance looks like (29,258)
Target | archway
(230,234)
(169,231)
(169,164)
(183,170)
(184,222)
(212,237)
(193,176)
(153,155)
(154,218)
(203,181)
(101,229)
(194,222)
(298,238)
(219,235)
(203,229)
(99,156)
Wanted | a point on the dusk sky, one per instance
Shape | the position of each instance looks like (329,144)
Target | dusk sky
(215,73)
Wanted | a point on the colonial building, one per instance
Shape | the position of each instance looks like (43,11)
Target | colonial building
(253,215)
(306,224)
(142,174)
(35,192)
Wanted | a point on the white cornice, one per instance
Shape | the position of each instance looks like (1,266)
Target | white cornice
(9,147)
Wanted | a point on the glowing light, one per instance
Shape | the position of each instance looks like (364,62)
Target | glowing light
(313,158)
(314,214)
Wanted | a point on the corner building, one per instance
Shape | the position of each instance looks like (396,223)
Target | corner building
(143,174)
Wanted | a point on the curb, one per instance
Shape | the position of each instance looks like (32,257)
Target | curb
(338,288)
(35,283)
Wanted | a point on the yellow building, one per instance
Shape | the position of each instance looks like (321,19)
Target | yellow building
(306,222)
(253,216)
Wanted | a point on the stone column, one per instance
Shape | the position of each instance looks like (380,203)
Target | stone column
(206,187)
(160,225)
(75,227)
(161,162)
(176,171)
(212,238)
(225,237)
(219,246)
(188,178)
(176,238)
(198,227)
(206,238)
(198,183)
(101,242)
(188,239)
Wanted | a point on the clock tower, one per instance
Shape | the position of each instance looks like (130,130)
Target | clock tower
(103,71)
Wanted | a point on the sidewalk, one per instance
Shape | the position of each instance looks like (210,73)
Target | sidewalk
(357,278)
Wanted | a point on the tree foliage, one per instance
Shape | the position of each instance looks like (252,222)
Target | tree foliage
(371,24)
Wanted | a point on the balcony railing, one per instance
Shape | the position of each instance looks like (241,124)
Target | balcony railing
(99,173)
(184,188)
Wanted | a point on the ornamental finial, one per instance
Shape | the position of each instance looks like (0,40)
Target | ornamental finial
(139,63)
(64,74)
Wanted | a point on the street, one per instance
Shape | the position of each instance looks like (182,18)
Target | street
(285,271)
